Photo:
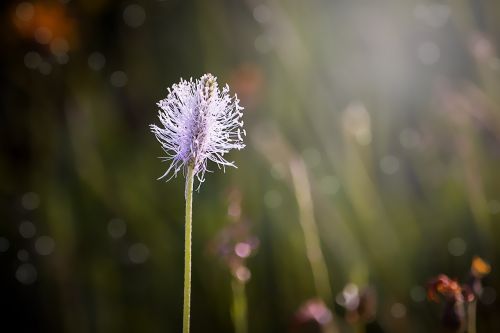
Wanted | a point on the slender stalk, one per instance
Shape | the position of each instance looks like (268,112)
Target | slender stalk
(310,229)
(239,306)
(471,322)
(312,241)
(187,249)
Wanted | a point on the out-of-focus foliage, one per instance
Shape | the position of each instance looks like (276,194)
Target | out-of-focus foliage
(391,110)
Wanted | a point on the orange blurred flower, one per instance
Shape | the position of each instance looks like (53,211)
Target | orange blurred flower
(480,268)
(46,23)
(449,288)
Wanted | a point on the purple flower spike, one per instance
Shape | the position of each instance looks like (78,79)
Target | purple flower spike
(200,122)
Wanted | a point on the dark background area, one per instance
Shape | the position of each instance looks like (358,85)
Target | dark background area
(373,128)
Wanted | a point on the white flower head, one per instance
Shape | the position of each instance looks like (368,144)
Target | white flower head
(199,122)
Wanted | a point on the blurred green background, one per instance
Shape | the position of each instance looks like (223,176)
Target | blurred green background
(372,161)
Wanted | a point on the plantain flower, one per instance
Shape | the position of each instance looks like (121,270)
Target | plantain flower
(199,122)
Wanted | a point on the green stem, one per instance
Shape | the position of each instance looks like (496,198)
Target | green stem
(309,227)
(239,306)
(472,317)
(187,249)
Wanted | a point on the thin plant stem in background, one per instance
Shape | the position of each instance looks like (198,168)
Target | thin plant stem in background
(309,228)
(200,122)
(239,311)
(471,317)
(187,249)
(235,244)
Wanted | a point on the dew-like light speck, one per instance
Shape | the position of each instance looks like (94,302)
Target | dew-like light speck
(4,244)
(25,11)
(138,253)
(243,274)
(243,250)
(117,228)
(96,61)
(59,46)
(398,310)
(27,229)
(312,156)
(457,247)
(429,53)
(30,200)
(329,185)
(494,206)
(134,15)
(417,294)
(263,43)
(45,68)
(32,60)
(62,58)
(26,274)
(357,121)
(278,171)
(23,255)
(118,79)
(43,35)
(389,164)
(272,199)
(435,15)
(45,245)
(488,296)
(262,13)
(409,138)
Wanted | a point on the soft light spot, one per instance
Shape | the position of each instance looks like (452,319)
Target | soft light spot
(398,310)
(389,164)
(45,245)
(43,35)
(138,253)
(26,274)
(263,43)
(25,11)
(434,14)
(23,255)
(243,274)
(243,250)
(134,15)
(4,244)
(118,79)
(329,184)
(262,13)
(96,61)
(27,229)
(30,200)
(349,297)
(234,210)
(32,60)
(45,68)
(278,171)
(62,58)
(312,156)
(428,53)
(417,294)
(59,46)
(409,138)
(494,64)
(494,206)
(272,199)
(488,295)
(117,228)
(357,122)
(482,48)
(457,247)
